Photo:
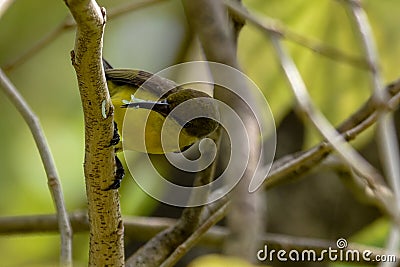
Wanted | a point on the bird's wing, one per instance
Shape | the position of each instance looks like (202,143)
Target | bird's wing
(157,85)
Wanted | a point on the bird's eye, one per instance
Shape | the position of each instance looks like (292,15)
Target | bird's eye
(188,124)
(163,107)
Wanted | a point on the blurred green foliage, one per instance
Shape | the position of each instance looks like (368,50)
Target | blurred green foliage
(152,39)
(337,88)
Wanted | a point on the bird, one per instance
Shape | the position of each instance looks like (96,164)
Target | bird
(149,117)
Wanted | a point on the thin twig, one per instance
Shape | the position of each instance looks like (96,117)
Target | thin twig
(356,184)
(195,237)
(53,180)
(319,121)
(67,24)
(39,45)
(131,6)
(358,163)
(295,165)
(388,144)
(270,25)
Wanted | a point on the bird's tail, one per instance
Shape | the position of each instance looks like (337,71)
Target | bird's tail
(106,65)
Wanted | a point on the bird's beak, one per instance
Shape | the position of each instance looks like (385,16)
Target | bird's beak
(158,106)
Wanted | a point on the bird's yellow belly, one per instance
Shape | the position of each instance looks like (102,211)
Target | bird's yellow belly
(147,131)
(141,129)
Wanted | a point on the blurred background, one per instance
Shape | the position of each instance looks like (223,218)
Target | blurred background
(155,37)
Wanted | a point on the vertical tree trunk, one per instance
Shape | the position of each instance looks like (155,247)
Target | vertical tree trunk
(106,228)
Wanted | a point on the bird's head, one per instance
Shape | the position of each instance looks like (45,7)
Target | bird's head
(194,110)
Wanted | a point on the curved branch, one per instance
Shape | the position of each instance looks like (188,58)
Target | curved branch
(274,26)
(295,165)
(208,19)
(387,143)
(53,180)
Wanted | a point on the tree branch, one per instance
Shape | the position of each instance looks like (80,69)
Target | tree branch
(209,20)
(106,227)
(139,228)
(295,165)
(274,26)
(299,163)
(388,144)
(170,239)
(337,141)
(194,238)
(143,228)
(53,180)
